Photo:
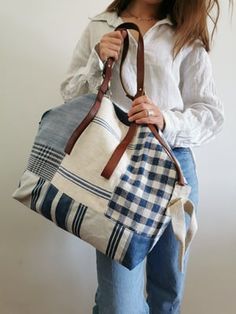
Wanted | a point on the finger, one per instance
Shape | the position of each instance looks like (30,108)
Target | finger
(151,120)
(139,115)
(115,34)
(138,107)
(110,53)
(112,40)
(110,46)
(141,99)
(115,41)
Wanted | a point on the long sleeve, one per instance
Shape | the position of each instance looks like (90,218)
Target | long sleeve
(85,71)
(203,114)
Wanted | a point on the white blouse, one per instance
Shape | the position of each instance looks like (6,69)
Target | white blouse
(184,88)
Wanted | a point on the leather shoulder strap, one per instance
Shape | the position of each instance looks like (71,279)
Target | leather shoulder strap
(119,151)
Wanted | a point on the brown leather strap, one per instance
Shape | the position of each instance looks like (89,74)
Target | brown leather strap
(120,149)
(140,59)
(155,132)
(93,111)
(107,73)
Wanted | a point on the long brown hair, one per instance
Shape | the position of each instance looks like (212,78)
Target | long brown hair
(189,18)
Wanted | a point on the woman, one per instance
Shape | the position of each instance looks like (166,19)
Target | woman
(180,99)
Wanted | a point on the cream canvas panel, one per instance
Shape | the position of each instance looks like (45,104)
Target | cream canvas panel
(92,150)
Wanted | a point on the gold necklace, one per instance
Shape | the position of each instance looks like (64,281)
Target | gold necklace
(141,18)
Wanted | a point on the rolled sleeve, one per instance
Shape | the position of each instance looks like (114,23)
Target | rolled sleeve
(85,71)
(203,114)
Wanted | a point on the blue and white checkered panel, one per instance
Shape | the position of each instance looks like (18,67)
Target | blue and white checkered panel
(44,160)
(140,199)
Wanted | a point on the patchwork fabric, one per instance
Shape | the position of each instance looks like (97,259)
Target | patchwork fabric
(58,207)
(44,160)
(114,239)
(123,216)
(140,199)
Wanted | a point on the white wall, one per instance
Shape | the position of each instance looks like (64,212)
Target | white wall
(44,269)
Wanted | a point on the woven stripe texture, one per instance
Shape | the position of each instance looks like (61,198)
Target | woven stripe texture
(123,216)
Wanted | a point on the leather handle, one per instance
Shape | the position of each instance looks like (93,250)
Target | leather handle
(107,74)
(117,154)
(120,149)
(140,59)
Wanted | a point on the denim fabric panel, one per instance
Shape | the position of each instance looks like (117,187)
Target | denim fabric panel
(137,250)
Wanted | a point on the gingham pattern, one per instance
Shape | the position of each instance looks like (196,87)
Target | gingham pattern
(122,217)
(141,197)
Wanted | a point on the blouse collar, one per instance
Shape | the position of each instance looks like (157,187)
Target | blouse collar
(114,20)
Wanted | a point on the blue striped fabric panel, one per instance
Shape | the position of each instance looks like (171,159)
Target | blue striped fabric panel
(114,240)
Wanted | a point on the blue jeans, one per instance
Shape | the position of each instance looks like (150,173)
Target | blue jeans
(121,291)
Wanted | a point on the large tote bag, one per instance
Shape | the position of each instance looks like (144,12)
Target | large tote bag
(110,182)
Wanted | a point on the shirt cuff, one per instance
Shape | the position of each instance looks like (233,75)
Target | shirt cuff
(168,131)
(94,71)
(94,61)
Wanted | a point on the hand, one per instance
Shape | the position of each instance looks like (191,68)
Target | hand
(110,45)
(138,112)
